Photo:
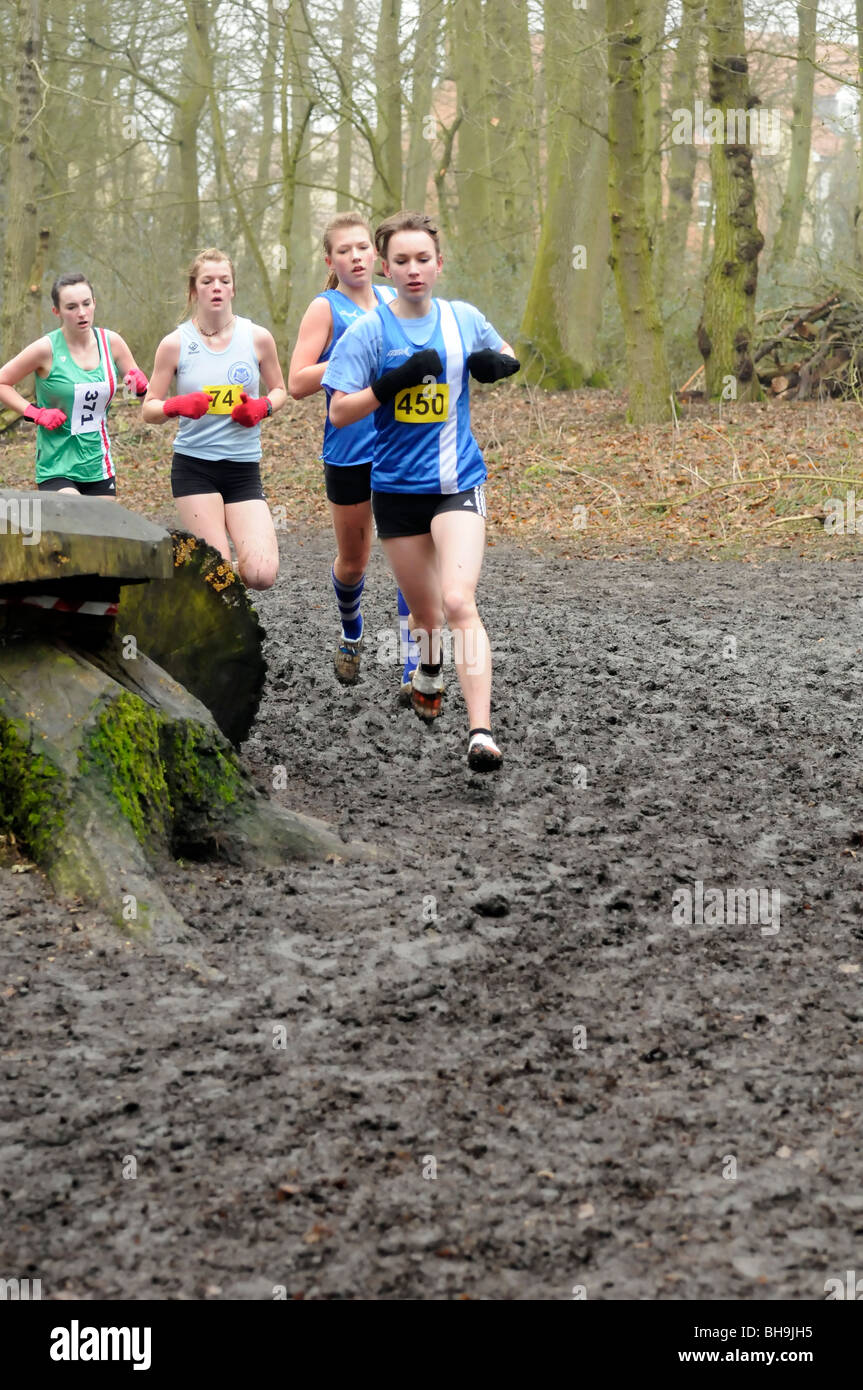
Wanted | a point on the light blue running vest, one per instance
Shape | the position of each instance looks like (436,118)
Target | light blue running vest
(354,443)
(235,369)
(424,444)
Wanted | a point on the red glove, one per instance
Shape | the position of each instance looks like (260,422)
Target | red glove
(251,410)
(194,405)
(49,419)
(136,381)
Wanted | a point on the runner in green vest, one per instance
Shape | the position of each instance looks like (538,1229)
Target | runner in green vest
(76,368)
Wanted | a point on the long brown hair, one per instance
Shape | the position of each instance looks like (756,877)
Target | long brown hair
(404,221)
(341,219)
(212,253)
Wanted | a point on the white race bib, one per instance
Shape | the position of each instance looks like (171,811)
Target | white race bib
(91,402)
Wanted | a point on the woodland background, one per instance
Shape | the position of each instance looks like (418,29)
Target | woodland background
(544,136)
(133,135)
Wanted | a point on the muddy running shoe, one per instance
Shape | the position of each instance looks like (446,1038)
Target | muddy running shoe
(427,694)
(346,661)
(483,754)
(407,682)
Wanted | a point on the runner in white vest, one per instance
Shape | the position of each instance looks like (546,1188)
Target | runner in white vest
(219,360)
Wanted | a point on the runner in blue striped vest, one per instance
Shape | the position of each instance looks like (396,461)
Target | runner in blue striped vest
(409,362)
(347,454)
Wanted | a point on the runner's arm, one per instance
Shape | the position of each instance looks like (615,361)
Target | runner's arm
(37,355)
(164,368)
(315,332)
(346,409)
(271,371)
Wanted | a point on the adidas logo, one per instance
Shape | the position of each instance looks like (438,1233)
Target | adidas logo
(468,503)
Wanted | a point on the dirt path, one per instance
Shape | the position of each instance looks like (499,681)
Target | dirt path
(504,1000)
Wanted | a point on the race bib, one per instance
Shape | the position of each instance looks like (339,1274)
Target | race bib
(423,405)
(223,398)
(89,406)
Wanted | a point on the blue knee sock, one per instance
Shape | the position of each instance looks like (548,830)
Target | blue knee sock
(348,598)
(409,649)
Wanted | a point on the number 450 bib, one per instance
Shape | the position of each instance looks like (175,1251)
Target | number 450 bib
(423,405)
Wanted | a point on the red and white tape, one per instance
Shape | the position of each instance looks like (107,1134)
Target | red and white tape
(62,605)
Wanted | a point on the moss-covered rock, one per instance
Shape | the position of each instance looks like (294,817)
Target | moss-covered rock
(125,746)
(31,804)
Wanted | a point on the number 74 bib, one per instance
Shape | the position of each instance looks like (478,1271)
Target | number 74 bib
(88,410)
(423,405)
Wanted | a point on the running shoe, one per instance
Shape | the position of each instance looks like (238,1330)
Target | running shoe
(483,754)
(427,694)
(346,661)
(407,682)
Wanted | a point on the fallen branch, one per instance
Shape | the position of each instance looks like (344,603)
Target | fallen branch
(673,502)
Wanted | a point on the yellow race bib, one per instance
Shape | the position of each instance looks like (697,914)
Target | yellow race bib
(222,398)
(423,405)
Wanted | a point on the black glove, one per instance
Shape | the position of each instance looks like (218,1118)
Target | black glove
(487,365)
(410,373)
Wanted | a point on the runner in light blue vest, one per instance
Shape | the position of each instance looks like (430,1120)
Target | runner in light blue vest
(219,360)
(409,362)
(347,453)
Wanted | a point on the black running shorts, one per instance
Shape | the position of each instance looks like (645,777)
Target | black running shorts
(237,482)
(102,487)
(410,513)
(348,484)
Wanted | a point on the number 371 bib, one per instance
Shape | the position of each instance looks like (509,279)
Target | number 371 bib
(89,406)
(423,405)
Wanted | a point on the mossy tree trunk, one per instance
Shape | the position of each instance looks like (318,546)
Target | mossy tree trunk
(468,56)
(728,318)
(646,366)
(513,157)
(108,767)
(858,211)
(791,212)
(421,131)
(652,54)
(557,339)
(682,158)
(21,294)
(387,188)
(345,147)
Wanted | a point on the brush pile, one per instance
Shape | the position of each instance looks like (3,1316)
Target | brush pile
(806,352)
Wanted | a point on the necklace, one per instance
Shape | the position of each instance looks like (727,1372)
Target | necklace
(203,332)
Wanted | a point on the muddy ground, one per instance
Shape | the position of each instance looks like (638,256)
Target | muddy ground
(506,1070)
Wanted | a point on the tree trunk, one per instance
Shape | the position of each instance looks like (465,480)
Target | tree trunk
(21,293)
(728,319)
(305,265)
(791,213)
(514,157)
(468,58)
(682,159)
(652,51)
(261,194)
(135,771)
(646,367)
(422,124)
(557,339)
(346,126)
(387,189)
(859,207)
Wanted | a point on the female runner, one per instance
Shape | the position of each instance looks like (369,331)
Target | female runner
(347,454)
(76,369)
(408,361)
(219,359)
